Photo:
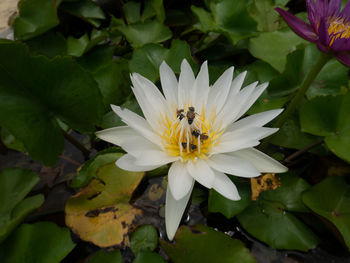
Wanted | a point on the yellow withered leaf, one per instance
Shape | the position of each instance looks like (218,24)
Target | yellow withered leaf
(101,212)
(263,183)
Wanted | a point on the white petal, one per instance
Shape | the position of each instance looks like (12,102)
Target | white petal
(219,91)
(233,106)
(200,90)
(186,81)
(117,135)
(260,160)
(237,83)
(179,180)
(138,123)
(169,83)
(127,162)
(225,187)
(136,145)
(256,120)
(233,165)
(154,157)
(174,210)
(201,172)
(253,97)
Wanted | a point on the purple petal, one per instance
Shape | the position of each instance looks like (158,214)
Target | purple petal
(334,7)
(301,28)
(323,32)
(322,7)
(344,58)
(341,44)
(322,47)
(346,10)
(313,16)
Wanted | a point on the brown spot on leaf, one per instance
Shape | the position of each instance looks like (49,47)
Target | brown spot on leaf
(264,183)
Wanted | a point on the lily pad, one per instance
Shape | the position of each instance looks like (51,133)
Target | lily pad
(230,18)
(331,200)
(101,212)
(39,91)
(269,218)
(204,244)
(229,208)
(145,238)
(328,116)
(15,184)
(146,60)
(108,257)
(35,18)
(42,242)
(148,257)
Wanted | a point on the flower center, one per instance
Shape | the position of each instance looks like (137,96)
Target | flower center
(190,135)
(338,28)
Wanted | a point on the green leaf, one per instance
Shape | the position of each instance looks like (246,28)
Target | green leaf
(132,11)
(146,60)
(145,238)
(228,17)
(264,13)
(273,47)
(50,44)
(38,91)
(139,34)
(15,184)
(329,116)
(289,193)
(331,200)
(148,257)
(290,135)
(10,141)
(90,168)
(86,10)
(97,58)
(35,18)
(42,242)
(269,222)
(107,257)
(229,208)
(203,244)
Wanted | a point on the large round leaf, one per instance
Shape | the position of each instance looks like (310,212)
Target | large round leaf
(42,242)
(35,91)
(15,184)
(329,116)
(204,244)
(331,200)
(101,212)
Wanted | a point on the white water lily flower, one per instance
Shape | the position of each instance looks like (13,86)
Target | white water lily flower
(198,129)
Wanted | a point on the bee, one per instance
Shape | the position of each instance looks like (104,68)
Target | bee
(193,147)
(179,114)
(190,115)
(202,136)
(195,133)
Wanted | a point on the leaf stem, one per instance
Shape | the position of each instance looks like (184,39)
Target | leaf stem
(324,58)
(76,143)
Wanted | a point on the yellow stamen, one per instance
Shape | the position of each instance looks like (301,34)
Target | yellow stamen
(338,28)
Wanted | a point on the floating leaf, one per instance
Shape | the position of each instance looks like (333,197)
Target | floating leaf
(42,242)
(273,47)
(229,208)
(107,257)
(50,44)
(329,116)
(192,245)
(143,239)
(15,184)
(39,91)
(146,60)
(228,17)
(269,222)
(331,200)
(86,10)
(35,18)
(101,212)
(148,257)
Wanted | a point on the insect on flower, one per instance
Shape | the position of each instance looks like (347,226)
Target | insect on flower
(198,129)
(329,27)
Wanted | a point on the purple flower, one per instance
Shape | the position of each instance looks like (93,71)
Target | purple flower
(329,27)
